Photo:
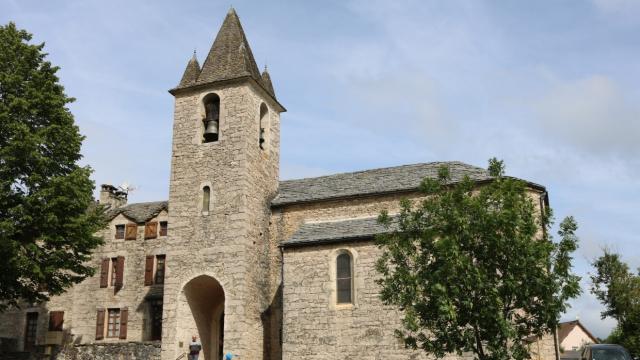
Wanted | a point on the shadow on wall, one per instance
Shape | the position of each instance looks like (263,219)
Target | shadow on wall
(38,333)
(272,327)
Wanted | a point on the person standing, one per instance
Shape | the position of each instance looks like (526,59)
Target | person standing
(194,348)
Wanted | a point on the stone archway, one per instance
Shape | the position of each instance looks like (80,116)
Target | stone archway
(205,297)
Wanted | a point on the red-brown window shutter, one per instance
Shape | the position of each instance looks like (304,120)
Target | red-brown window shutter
(151,230)
(104,273)
(131,232)
(119,272)
(56,318)
(148,270)
(100,324)
(124,315)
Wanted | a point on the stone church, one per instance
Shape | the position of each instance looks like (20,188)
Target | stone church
(262,268)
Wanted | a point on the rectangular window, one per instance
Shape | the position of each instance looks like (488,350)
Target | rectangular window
(159,278)
(113,323)
(114,271)
(163,228)
(119,231)
(31,331)
(56,319)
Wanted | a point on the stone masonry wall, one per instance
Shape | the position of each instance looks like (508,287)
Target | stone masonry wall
(125,350)
(227,242)
(315,327)
(81,302)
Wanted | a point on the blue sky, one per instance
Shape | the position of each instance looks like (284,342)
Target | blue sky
(551,87)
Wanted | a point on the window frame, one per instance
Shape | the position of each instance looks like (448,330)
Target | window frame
(31,330)
(163,228)
(113,326)
(157,267)
(120,235)
(339,279)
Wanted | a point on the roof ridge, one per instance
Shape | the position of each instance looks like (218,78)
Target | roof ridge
(384,168)
(143,203)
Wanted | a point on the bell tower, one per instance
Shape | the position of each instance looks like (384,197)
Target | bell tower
(224,173)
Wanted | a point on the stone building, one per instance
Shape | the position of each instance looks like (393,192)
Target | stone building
(263,268)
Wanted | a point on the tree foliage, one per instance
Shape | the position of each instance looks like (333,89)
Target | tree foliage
(618,289)
(474,269)
(47,216)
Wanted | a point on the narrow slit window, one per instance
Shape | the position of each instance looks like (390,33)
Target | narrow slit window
(206,198)
(344,279)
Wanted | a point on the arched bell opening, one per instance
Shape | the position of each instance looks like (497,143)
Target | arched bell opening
(205,297)
(211,122)
(263,125)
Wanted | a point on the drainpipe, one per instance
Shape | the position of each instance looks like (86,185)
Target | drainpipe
(556,346)
(281,335)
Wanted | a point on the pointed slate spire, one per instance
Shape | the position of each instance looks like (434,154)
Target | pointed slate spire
(266,82)
(230,56)
(191,73)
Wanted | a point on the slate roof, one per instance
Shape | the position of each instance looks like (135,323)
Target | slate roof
(139,212)
(266,82)
(229,58)
(191,72)
(316,233)
(376,181)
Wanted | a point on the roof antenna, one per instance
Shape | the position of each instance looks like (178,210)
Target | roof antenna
(127,188)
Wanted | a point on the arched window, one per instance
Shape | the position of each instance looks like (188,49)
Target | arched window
(264,123)
(344,279)
(206,198)
(211,122)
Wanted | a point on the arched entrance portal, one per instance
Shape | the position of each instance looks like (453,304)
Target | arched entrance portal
(205,297)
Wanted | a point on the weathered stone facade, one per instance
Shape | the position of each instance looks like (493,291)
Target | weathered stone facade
(234,273)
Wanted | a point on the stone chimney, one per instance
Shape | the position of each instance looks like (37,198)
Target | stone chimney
(112,196)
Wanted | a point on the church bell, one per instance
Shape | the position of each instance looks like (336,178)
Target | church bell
(211,127)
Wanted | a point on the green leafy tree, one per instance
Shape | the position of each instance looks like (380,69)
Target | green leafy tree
(473,268)
(618,289)
(47,214)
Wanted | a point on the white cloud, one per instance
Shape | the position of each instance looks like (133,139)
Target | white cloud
(591,114)
(626,8)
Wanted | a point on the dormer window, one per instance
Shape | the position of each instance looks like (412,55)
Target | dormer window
(211,122)
(120,231)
